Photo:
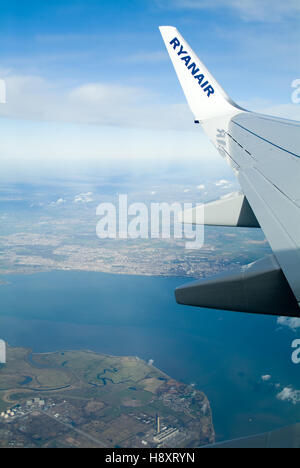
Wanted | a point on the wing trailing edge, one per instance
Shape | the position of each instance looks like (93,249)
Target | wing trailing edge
(259,288)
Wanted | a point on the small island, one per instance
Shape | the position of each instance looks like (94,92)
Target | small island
(85,399)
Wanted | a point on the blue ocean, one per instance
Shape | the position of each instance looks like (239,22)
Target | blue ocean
(224,353)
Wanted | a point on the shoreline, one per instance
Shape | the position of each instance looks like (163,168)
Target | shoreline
(90,351)
(75,270)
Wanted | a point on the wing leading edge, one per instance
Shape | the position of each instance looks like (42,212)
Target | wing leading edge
(264,153)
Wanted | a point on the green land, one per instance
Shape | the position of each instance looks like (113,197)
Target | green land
(86,399)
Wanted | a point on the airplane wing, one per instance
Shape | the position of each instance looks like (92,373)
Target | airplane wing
(264,153)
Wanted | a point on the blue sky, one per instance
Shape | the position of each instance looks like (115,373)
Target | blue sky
(91,80)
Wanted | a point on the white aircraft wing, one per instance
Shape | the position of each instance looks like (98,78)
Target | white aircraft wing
(264,152)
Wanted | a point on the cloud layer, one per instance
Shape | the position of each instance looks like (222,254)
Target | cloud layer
(248,10)
(34,98)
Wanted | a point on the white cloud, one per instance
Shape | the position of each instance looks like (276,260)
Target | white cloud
(266,378)
(290,322)
(201,187)
(58,202)
(34,98)
(84,198)
(186,190)
(248,10)
(222,183)
(290,395)
(45,125)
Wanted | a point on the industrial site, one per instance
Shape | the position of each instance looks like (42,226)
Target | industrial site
(85,399)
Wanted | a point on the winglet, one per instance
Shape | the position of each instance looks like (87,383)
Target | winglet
(205,96)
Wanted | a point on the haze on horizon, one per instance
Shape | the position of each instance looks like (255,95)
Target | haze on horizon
(90,83)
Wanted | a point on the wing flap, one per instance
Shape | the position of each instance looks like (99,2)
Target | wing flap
(233,211)
(258,288)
